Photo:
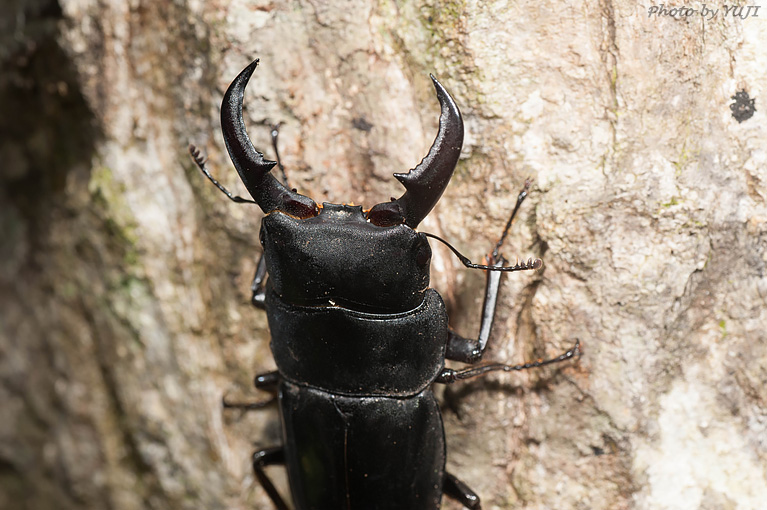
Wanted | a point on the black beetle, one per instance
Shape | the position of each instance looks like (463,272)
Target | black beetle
(357,334)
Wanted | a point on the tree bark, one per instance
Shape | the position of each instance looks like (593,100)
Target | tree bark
(125,276)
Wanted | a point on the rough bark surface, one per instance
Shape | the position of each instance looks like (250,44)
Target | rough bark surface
(124,275)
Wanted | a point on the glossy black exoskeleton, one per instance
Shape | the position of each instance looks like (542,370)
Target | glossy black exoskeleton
(358,336)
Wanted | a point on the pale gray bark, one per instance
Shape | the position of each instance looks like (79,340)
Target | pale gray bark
(124,313)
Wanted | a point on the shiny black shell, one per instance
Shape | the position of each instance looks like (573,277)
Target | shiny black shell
(358,338)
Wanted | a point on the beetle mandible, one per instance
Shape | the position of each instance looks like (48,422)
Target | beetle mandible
(358,336)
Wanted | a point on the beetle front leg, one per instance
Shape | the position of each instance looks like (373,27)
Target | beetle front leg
(258,287)
(468,350)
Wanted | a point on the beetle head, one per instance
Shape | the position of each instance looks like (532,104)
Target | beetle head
(338,257)
(338,254)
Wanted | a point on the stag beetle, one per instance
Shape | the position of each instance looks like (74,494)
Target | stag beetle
(357,334)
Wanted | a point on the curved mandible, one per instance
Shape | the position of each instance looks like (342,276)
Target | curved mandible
(426,182)
(267,191)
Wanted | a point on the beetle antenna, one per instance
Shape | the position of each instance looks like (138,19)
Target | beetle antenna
(200,161)
(520,198)
(495,256)
(524,266)
(449,375)
(275,132)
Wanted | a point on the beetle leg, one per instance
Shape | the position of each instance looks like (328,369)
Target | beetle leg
(258,287)
(269,457)
(456,489)
(459,348)
(469,350)
(267,382)
(520,198)
(248,406)
(448,375)
(495,256)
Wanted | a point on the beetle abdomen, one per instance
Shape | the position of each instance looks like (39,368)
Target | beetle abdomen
(353,353)
(372,453)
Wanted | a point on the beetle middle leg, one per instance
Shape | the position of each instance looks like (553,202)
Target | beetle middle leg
(268,381)
(269,457)
(459,491)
